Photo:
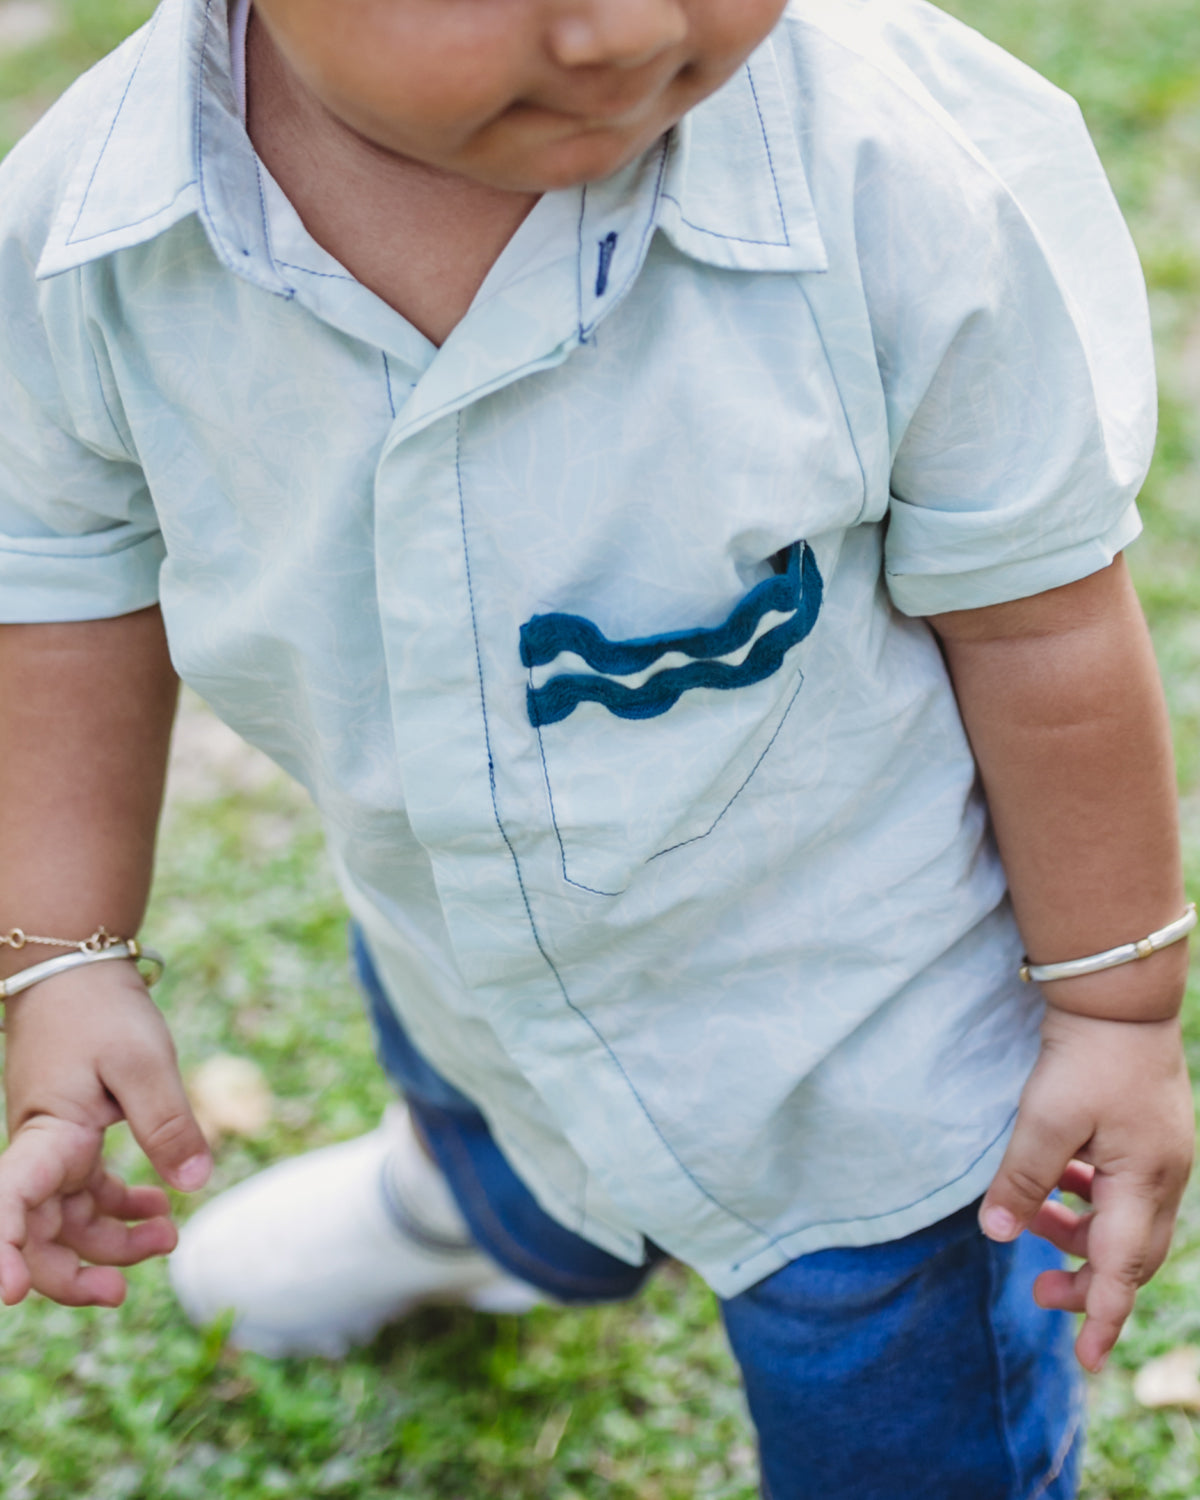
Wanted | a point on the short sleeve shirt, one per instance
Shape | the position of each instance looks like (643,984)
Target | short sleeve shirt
(594,634)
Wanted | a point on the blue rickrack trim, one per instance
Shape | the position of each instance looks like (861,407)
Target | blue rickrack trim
(799,590)
(562,695)
(546,636)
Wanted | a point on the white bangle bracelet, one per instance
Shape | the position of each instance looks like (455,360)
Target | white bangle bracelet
(130,948)
(1112,958)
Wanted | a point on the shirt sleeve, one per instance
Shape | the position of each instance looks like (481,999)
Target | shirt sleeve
(79,538)
(1012,331)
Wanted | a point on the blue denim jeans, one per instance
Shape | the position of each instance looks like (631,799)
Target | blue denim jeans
(915,1370)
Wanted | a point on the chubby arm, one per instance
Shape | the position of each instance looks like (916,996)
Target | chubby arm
(1062,702)
(83,744)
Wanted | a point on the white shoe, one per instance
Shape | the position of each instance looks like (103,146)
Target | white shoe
(322,1251)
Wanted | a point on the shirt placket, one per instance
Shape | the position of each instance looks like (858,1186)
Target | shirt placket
(430,609)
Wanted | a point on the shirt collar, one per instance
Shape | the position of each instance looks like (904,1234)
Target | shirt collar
(167,143)
(731,192)
(735,193)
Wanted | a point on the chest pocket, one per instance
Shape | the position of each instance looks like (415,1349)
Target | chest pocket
(646,743)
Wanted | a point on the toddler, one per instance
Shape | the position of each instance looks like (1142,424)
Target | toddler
(656,472)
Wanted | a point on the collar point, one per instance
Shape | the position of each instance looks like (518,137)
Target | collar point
(800,253)
(76,238)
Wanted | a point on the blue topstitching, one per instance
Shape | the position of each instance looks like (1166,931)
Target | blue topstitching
(762,125)
(266,223)
(579,282)
(537,937)
(307,271)
(288,292)
(887,1213)
(562,848)
(683,843)
(112,126)
(387,375)
(671,848)
(100,234)
(717,234)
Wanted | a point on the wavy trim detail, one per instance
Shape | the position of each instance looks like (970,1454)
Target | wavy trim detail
(798,590)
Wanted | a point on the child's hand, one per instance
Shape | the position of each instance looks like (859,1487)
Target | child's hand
(85,1050)
(1106,1114)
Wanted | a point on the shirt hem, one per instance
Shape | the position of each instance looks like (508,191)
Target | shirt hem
(729,1281)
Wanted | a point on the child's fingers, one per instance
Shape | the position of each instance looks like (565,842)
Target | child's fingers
(56,1272)
(1066,1229)
(15,1280)
(13,1233)
(1065,1291)
(151,1095)
(116,1199)
(109,1241)
(1071,1291)
(1124,1251)
(32,1171)
(1078,1179)
(46,1158)
(1036,1161)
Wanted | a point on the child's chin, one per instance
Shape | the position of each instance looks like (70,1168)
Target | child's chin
(589,157)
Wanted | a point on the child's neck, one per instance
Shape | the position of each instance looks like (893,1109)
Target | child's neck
(421,239)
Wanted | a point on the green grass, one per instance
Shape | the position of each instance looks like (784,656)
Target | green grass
(627,1402)
(32,78)
(634,1403)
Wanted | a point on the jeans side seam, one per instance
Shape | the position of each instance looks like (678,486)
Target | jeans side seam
(990,1289)
(1069,1438)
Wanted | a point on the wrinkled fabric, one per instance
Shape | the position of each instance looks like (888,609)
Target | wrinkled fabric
(828,1346)
(738,975)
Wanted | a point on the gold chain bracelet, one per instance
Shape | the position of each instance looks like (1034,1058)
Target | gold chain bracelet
(97,943)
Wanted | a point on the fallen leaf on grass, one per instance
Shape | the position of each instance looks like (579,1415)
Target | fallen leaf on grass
(230,1097)
(551,1434)
(1171,1380)
(235,1389)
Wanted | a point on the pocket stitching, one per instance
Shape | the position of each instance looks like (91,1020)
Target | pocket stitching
(546,636)
(671,848)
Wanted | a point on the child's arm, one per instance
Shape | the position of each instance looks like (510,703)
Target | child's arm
(83,742)
(1061,698)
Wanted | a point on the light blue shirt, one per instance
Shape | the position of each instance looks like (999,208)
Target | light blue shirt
(590,633)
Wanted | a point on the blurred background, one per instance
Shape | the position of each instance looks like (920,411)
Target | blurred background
(636,1403)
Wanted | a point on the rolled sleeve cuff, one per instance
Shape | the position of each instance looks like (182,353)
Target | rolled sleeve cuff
(46,580)
(933,593)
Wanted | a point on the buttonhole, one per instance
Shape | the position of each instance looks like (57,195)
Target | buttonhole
(608,248)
